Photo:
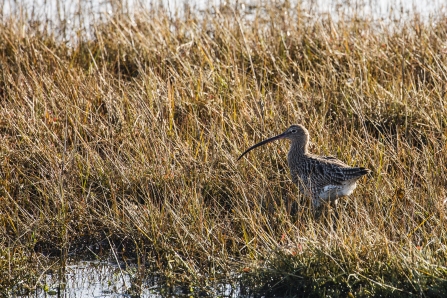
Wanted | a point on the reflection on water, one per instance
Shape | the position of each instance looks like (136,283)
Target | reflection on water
(82,14)
(96,279)
(64,9)
(104,279)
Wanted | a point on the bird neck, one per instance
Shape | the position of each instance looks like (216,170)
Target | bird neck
(299,148)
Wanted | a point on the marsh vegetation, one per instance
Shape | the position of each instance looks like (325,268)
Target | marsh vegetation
(125,139)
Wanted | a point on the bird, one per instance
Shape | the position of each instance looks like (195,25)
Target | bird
(322,178)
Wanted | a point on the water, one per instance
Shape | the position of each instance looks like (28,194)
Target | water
(64,10)
(94,279)
(81,14)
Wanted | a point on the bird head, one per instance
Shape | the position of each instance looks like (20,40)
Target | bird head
(298,134)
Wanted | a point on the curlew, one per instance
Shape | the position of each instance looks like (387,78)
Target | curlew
(322,178)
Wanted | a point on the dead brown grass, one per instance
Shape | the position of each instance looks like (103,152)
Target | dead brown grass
(133,136)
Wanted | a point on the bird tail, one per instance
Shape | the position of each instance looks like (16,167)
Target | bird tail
(356,172)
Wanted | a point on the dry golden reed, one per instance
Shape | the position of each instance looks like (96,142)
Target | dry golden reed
(129,136)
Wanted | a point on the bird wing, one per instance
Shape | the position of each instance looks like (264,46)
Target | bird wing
(330,170)
(332,160)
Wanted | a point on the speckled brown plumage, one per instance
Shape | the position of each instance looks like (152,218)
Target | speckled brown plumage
(322,178)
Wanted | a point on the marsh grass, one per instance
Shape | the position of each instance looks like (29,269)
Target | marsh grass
(129,140)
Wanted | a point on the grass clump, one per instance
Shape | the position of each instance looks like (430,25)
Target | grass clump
(128,140)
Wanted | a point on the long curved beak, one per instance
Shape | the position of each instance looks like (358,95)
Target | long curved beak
(281,136)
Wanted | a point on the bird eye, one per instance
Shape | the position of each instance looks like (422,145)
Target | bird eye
(293,131)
